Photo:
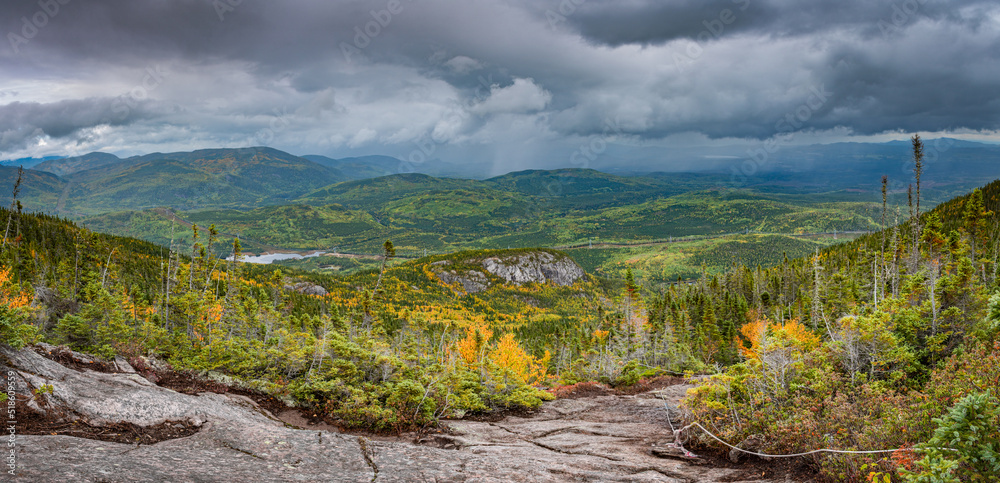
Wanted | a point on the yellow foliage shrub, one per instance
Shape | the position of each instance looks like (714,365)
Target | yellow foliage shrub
(509,357)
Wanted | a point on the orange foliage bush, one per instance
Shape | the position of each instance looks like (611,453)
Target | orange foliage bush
(471,347)
(11,294)
(790,334)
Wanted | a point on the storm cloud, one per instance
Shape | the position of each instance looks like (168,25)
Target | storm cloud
(515,83)
(24,122)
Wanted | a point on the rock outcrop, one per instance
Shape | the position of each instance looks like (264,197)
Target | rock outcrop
(534,267)
(602,438)
(306,288)
(238,440)
(518,268)
(472,281)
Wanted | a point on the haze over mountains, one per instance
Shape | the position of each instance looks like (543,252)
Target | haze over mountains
(260,176)
(276,201)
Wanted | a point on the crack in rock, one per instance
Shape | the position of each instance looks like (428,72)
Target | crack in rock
(574,453)
(369,454)
(227,444)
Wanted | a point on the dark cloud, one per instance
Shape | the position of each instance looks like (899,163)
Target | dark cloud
(349,76)
(24,122)
(615,22)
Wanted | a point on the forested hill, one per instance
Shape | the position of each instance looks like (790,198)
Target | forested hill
(953,215)
(217,178)
(54,253)
(860,346)
(382,350)
(956,252)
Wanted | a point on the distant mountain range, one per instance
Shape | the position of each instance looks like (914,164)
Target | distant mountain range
(361,167)
(27,162)
(254,177)
(210,178)
(763,158)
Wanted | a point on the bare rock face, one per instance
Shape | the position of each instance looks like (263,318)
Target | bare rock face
(307,288)
(238,441)
(107,398)
(603,438)
(534,267)
(472,281)
(517,268)
(123,366)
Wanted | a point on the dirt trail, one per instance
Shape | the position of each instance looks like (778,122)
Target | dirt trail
(608,437)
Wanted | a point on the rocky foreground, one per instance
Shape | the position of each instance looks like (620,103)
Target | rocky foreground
(228,437)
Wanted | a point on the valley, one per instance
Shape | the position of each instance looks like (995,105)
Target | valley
(426,299)
(277,202)
(433,221)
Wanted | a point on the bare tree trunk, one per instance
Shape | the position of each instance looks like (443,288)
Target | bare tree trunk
(194,253)
(76,263)
(895,255)
(933,292)
(817,306)
(168,287)
(996,248)
(875,284)
(13,203)
(881,258)
(104,274)
(918,168)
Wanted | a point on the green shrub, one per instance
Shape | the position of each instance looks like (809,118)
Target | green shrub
(13,329)
(965,445)
(74,331)
(630,375)
(527,397)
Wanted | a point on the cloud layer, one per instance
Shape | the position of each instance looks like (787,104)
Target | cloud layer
(514,83)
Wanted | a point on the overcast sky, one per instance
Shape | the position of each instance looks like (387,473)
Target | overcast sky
(512,84)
